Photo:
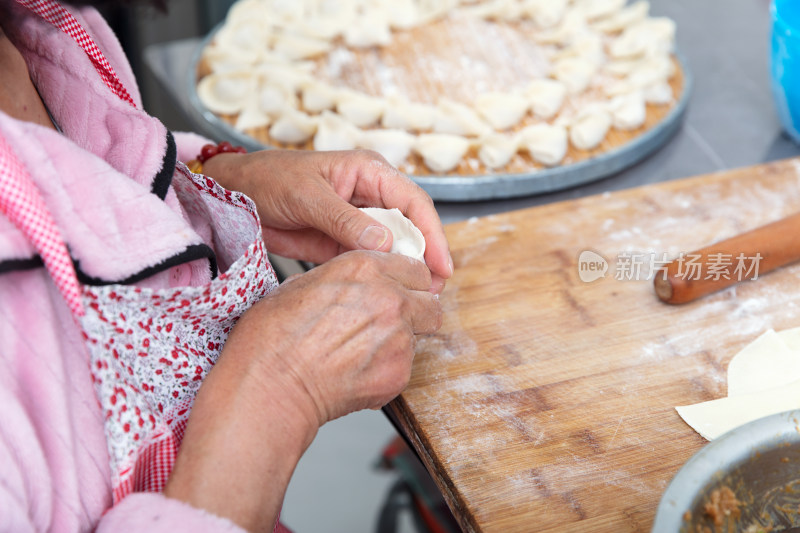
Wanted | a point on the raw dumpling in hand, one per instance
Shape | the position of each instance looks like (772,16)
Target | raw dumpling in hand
(407,239)
(545,96)
(589,129)
(440,151)
(335,133)
(502,110)
(546,143)
(458,119)
(628,111)
(393,145)
(293,127)
(226,93)
(409,116)
(360,109)
(497,149)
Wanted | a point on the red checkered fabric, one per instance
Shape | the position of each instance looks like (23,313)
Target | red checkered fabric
(153,464)
(62,19)
(21,202)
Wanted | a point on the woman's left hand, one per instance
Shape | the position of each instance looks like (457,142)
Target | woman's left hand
(308,203)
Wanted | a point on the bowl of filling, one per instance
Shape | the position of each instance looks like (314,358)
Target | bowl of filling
(747,481)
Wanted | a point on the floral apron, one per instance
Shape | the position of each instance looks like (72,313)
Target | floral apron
(149,349)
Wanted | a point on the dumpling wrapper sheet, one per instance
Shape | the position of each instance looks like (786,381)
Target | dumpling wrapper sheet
(763,379)
(714,418)
(765,363)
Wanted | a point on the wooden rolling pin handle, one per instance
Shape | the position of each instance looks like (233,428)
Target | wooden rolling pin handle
(726,263)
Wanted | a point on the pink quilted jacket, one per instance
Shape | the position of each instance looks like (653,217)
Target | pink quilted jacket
(103,181)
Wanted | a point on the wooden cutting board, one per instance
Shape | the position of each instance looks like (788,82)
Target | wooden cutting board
(546,403)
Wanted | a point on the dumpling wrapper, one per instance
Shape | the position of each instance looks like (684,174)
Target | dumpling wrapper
(713,419)
(763,379)
(765,363)
(407,239)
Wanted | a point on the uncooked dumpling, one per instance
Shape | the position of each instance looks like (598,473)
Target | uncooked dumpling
(574,72)
(588,47)
(546,143)
(596,9)
(457,119)
(335,133)
(546,97)
(628,111)
(297,46)
(226,93)
(659,94)
(366,31)
(405,115)
(360,109)
(275,99)
(589,130)
(252,116)
(407,239)
(649,36)
(393,145)
(318,97)
(623,18)
(293,127)
(497,149)
(502,110)
(441,152)
(545,13)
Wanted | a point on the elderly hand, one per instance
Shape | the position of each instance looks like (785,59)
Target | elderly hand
(308,203)
(334,340)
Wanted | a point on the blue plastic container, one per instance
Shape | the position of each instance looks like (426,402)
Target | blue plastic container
(785,63)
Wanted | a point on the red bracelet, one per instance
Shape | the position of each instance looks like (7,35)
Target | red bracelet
(209,150)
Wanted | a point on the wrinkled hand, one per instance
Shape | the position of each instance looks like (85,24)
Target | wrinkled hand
(341,337)
(331,341)
(308,203)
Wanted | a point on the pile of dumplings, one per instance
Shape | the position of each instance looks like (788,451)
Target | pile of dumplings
(607,60)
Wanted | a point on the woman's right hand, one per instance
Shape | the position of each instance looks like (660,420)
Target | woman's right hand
(343,334)
(334,340)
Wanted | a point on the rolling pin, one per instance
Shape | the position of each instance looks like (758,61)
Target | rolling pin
(743,257)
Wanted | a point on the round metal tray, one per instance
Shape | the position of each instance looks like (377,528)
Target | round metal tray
(490,186)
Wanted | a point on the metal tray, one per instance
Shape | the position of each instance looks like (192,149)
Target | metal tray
(489,186)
